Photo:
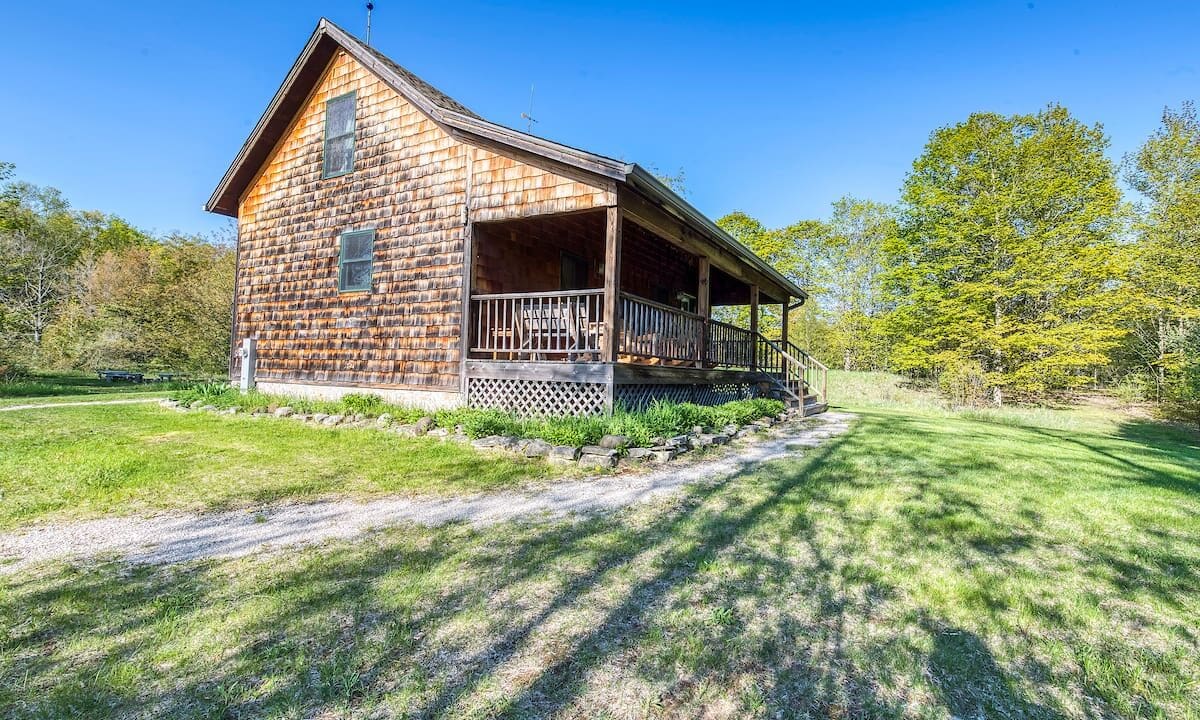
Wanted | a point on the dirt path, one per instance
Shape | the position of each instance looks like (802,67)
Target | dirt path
(39,406)
(178,537)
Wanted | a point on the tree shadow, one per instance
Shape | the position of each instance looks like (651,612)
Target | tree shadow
(771,584)
(968,681)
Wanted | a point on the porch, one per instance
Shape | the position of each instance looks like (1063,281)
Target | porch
(578,313)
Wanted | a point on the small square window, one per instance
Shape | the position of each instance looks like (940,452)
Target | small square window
(355,260)
(339,136)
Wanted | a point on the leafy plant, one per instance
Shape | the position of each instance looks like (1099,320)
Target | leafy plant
(361,404)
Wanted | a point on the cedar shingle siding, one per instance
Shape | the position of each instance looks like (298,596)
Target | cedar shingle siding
(408,185)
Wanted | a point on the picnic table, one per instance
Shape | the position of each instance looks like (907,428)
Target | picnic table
(114,375)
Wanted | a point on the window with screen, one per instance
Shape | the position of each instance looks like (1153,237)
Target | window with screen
(339,136)
(355,260)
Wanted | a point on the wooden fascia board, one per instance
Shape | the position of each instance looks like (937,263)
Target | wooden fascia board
(564,154)
(661,195)
(675,230)
(539,161)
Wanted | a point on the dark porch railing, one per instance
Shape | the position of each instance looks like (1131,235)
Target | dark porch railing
(568,326)
(562,325)
(659,332)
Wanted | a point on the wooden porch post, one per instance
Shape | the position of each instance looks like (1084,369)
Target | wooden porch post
(783,323)
(612,298)
(753,327)
(703,308)
(612,283)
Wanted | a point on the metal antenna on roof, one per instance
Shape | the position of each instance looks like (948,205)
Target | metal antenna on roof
(370,7)
(528,116)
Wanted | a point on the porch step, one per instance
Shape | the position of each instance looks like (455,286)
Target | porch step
(815,408)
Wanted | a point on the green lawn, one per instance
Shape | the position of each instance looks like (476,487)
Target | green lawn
(74,387)
(93,460)
(1007,564)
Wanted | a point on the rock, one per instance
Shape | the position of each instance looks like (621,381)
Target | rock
(332,420)
(680,441)
(697,430)
(496,442)
(234,410)
(406,430)
(661,455)
(747,432)
(425,424)
(658,441)
(613,442)
(763,422)
(730,429)
(459,437)
(284,411)
(639,453)
(563,454)
(169,403)
(302,418)
(319,417)
(207,408)
(709,439)
(598,461)
(537,448)
(439,432)
(384,420)
(598,451)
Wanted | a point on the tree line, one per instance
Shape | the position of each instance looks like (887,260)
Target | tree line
(1013,266)
(85,290)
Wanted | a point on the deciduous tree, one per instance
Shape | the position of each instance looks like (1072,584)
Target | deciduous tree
(1007,254)
(1164,279)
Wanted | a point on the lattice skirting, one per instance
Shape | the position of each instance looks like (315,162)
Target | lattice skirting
(556,397)
(637,397)
(537,397)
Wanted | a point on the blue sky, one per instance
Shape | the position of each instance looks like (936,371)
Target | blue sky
(775,109)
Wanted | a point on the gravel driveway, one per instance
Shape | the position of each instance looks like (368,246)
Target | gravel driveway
(180,537)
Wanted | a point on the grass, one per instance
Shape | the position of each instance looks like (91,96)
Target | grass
(71,387)
(88,461)
(929,563)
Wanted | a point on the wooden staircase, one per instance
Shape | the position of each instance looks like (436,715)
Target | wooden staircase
(793,376)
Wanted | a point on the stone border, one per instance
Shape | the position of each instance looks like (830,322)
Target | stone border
(611,452)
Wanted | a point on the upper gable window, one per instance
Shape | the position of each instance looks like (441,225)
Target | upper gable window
(339,136)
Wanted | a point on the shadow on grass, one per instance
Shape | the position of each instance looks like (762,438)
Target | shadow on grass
(775,586)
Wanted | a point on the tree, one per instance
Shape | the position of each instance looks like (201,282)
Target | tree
(788,250)
(677,182)
(1164,280)
(39,241)
(1007,259)
(162,305)
(851,260)
(1181,387)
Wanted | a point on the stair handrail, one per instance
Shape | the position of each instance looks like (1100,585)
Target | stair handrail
(822,367)
(794,363)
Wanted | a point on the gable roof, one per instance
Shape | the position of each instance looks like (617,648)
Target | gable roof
(453,117)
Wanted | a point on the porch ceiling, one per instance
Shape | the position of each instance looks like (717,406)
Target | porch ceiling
(526,255)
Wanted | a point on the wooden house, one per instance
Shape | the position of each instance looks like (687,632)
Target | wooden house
(391,241)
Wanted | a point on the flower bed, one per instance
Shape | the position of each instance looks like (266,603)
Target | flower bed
(657,434)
